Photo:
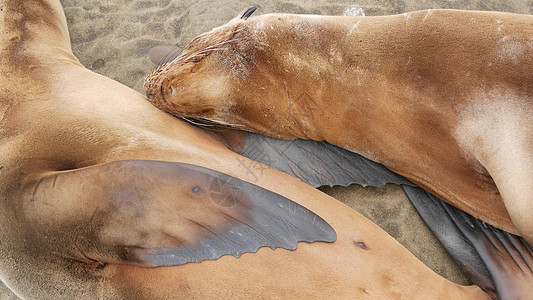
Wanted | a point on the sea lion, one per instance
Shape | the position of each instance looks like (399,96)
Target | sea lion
(442,97)
(92,185)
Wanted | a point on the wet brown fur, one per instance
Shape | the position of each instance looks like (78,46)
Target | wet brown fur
(442,97)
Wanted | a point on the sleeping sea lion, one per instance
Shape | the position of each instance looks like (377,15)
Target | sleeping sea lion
(98,188)
(441,97)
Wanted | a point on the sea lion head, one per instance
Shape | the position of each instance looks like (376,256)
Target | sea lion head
(237,75)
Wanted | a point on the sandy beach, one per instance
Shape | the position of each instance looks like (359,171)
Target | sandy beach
(113,38)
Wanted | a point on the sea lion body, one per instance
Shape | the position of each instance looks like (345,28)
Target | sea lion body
(58,118)
(441,97)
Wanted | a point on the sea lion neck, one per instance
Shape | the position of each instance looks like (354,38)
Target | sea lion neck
(28,51)
(307,66)
(313,62)
(27,48)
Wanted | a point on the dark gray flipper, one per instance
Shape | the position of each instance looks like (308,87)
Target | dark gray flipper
(318,163)
(435,214)
(267,220)
(498,262)
(155,213)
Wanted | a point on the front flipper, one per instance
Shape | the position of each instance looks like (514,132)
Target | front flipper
(152,213)
(318,163)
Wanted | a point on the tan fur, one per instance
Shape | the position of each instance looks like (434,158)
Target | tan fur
(443,97)
(58,116)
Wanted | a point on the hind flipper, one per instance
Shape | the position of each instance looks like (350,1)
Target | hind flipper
(498,262)
(508,257)
(432,211)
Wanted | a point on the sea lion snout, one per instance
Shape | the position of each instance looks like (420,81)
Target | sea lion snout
(151,87)
(205,76)
(194,87)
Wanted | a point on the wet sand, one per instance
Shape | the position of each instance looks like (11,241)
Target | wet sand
(113,38)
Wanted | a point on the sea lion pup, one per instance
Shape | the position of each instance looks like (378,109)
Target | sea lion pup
(95,181)
(442,97)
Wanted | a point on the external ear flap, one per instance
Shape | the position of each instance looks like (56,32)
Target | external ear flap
(152,213)
(247,13)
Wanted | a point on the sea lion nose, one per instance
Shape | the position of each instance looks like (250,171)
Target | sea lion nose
(149,88)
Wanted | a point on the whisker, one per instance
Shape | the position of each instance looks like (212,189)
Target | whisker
(207,123)
(194,52)
(199,48)
(171,55)
(223,123)
(193,122)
